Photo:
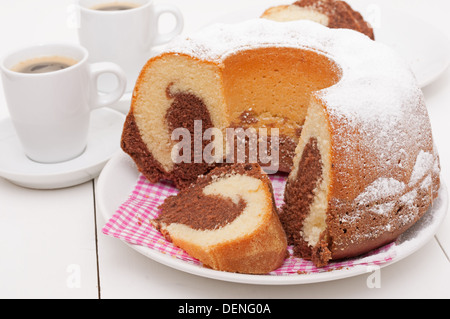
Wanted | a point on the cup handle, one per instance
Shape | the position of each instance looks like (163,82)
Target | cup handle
(159,9)
(98,100)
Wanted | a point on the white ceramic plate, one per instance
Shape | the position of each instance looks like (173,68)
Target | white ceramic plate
(104,141)
(120,175)
(424,47)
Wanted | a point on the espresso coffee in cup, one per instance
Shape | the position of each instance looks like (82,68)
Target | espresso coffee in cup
(44,64)
(115,6)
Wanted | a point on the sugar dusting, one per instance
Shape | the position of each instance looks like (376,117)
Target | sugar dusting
(381,189)
(424,164)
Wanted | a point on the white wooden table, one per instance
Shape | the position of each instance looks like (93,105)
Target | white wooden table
(51,245)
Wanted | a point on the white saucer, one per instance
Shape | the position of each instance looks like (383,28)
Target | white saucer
(104,141)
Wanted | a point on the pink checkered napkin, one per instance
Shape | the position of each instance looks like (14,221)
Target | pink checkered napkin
(131,224)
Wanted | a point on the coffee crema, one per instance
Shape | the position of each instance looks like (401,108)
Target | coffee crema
(115,6)
(44,64)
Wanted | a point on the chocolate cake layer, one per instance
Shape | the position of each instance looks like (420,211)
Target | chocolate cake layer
(193,208)
(299,196)
(199,211)
(186,108)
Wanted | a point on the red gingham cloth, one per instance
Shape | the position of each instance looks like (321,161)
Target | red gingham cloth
(131,224)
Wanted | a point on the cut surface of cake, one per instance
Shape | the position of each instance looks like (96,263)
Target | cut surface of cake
(363,166)
(228,220)
(330,13)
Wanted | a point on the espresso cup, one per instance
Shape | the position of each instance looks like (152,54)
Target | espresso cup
(50,91)
(125,37)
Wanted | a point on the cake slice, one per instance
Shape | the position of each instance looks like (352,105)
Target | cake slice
(330,13)
(228,220)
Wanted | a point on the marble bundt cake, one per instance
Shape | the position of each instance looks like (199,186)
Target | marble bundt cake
(330,13)
(362,161)
(228,220)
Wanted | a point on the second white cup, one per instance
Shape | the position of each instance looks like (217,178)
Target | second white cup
(124,34)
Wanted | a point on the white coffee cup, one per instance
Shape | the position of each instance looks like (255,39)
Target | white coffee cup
(125,37)
(51,111)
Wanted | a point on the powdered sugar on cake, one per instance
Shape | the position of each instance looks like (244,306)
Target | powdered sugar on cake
(381,189)
(424,164)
